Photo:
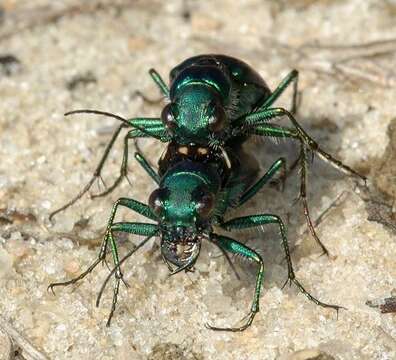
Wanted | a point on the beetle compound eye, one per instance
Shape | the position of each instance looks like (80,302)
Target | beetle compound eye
(156,201)
(218,119)
(168,117)
(205,205)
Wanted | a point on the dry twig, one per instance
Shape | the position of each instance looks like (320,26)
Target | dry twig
(28,351)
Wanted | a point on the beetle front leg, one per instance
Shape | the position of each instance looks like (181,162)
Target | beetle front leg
(142,229)
(134,205)
(236,247)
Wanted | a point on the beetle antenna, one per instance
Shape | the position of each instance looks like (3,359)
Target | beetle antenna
(98,112)
(114,116)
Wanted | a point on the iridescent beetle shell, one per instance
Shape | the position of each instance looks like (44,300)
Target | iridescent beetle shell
(185,202)
(208,93)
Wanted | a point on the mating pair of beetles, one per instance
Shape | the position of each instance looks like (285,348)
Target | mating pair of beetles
(215,104)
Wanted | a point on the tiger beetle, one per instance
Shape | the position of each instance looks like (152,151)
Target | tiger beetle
(196,187)
(215,104)
(216,101)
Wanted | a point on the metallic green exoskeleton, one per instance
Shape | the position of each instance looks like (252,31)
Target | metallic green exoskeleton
(217,101)
(208,93)
(196,187)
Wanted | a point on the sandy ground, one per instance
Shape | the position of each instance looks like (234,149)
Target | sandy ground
(57,56)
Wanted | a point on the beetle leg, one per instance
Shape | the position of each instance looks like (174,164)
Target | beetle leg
(270,130)
(147,167)
(133,134)
(260,126)
(292,77)
(160,82)
(256,120)
(236,247)
(263,219)
(278,165)
(145,229)
(152,130)
(134,205)
(96,174)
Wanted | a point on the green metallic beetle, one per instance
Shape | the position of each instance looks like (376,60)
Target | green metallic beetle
(217,101)
(215,104)
(196,187)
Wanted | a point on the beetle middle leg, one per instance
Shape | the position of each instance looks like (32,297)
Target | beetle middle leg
(147,127)
(259,120)
(278,165)
(95,175)
(133,134)
(123,169)
(258,124)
